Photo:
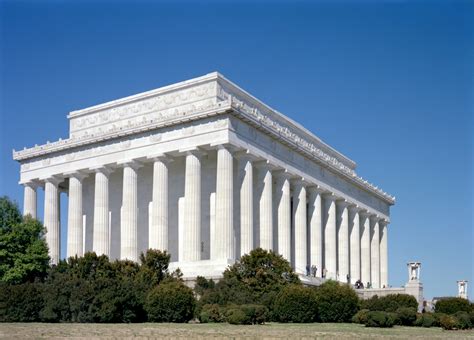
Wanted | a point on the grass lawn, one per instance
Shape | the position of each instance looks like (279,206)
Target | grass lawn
(270,330)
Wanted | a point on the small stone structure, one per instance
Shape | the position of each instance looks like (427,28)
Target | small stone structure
(462,289)
(413,287)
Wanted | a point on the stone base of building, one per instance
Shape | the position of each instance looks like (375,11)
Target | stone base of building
(210,269)
(411,288)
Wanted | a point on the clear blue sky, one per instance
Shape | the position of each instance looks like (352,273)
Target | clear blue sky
(390,85)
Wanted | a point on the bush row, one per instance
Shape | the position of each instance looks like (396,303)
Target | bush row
(408,317)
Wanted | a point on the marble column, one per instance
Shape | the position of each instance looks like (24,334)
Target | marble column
(375,252)
(192,210)
(158,233)
(52,219)
(266,209)
(365,247)
(315,226)
(383,254)
(354,227)
(75,235)
(222,247)
(100,235)
(300,213)
(284,217)
(343,239)
(330,239)
(29,199)
(246,206)
(129,213)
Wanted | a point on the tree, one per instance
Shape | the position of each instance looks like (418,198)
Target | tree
(336,302)
(23,250)
(452,305)
(296,303)
(170,302)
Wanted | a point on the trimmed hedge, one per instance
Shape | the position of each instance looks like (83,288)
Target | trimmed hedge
(389,303)
(452,305)
(379,319)
(336,302)
(170,302)
(425,320)
(360,317)
(254,314)
(296,304)
(406,315)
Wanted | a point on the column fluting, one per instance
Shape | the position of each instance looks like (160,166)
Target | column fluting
(51,219)
(375,252)
(284,217)
(383,254)
(365,248)
(75,220)
(343,239)
(300,213)
(224,230)
(192,210)
(29,200)
(246,207)
(100,235)
(129,213)
(315,229)
(158,233)
(266,210)
(330,239)
(354,226)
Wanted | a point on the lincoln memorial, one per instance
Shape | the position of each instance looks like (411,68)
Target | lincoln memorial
(208,172)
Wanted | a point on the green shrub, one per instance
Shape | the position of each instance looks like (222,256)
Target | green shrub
(452,305)
(256,313)
(464,321)
(296,304)
(360,316)
(236,316)
(379,319)
(211,313)
(170,302)
(407,315)
(389,303)
(336,302)
(425,320)
(20,303)
(395,318)
(448,322)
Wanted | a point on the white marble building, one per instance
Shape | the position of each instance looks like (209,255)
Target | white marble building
(208,172)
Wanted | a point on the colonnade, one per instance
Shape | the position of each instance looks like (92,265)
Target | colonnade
(343,241)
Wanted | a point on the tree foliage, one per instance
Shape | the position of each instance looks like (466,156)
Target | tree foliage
(389,303)
(336,302)
(170,302)
(452,305)
(23,250)
(296,304)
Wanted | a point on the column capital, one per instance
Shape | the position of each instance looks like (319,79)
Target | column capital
(245,155)
(33,184)
(375,218)
(354,208)
(104,169)
(195,151)
(80,175)
(161,157)
(342,202)
(266,165)
(330,196)
(131,163)
(316,189)
(383,222)
(364,213)
(55,180)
